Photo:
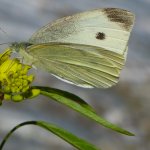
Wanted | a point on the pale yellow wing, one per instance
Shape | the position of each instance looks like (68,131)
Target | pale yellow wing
(85,66)
(107,28)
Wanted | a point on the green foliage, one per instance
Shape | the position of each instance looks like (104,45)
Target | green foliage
(79,105)
(79,143)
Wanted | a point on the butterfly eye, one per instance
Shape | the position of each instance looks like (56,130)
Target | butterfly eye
(100,36)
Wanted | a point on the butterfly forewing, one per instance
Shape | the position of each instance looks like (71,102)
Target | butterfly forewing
(107,28)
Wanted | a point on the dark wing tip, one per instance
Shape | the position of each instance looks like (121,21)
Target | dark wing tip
(123,17)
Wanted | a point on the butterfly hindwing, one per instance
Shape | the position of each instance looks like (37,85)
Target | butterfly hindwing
(85,66)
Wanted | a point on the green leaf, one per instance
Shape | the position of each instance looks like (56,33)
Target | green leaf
(79,105)
(80,144)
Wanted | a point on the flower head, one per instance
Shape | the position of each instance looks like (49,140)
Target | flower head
(14,79)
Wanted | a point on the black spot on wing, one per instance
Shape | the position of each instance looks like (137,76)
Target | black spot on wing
(123,17)
(100,35)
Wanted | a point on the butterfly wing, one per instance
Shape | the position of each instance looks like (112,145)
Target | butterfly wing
(108,28)
(85,66)
(87,49)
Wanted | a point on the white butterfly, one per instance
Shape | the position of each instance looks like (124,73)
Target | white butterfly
(87,49)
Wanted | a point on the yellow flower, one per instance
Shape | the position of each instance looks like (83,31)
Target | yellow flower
(14,81)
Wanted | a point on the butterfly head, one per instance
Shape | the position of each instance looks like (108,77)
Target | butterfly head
(18,46)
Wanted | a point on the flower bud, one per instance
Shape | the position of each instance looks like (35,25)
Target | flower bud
(17,98)
(7,96)
(34,93)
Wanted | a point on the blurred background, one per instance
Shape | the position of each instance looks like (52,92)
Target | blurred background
(126,104)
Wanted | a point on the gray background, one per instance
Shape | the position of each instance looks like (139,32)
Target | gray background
(126,104)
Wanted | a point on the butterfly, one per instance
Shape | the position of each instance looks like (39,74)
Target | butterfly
(87,49)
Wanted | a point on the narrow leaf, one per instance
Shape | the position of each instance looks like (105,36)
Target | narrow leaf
(79,105)
(80,144)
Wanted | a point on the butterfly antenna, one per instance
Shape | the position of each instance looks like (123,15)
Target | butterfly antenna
(5,43)
(3,31)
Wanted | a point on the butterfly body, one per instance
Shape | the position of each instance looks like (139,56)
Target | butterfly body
(87,49)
